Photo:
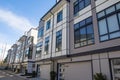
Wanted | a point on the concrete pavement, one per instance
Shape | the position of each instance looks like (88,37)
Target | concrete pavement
(4,75)
(9,75)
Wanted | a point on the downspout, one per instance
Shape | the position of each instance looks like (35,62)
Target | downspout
(68,26)
(52,42)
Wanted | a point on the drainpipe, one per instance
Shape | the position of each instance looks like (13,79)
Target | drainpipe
(68,32)
(52,42)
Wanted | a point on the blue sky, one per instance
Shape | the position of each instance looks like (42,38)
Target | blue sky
(18,16)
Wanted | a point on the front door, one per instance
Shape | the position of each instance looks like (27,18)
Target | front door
(38,70)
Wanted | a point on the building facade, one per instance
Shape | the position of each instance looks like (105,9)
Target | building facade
(53,39)
(29,51)
(79,39)
(19,54)
(8,58)
(12,54)
(75,39)
(22,54)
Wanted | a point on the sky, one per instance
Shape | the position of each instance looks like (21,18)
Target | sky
(18,16)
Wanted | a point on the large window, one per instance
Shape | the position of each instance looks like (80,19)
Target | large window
(39,49)
(48,24)
(40,32)
(30,40)
(115,68)
(80,4)
(26,52)
(59,40)
(83,33)
(30,52)
(109,23)
(59,16)
(46,44)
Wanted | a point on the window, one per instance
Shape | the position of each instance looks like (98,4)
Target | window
(30,40)
(59,16)
(39,49)
(27,52)
(80,4)
(48,24)
(40,32)
(115,63)
(46,44)
(30,52)
(59,40)
(83,33)
(109,23)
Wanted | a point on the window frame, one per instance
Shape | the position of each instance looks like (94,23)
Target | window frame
(86,25)
(58,41)
(114,62)
(39,52)
(59,16)
(40,32)
(77,3)
(48,24)
(46,48)
(105,16)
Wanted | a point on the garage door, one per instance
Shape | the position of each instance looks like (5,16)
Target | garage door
(45,72)
(75,71)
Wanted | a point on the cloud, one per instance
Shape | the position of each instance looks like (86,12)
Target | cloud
(17,23)
(14,21)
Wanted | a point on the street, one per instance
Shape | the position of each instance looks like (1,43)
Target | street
(5,75)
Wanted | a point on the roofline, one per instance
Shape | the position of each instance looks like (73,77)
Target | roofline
(52,8)
(31,29)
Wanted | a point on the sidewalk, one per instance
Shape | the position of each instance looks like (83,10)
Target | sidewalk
(23,77)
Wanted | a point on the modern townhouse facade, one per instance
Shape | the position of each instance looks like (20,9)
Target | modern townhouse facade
(12,54)
(8,57)
(76,39)
(19,54)
(53,38)
(29,51)
(79,39)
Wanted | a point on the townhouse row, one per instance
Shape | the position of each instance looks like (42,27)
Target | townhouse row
(76,39)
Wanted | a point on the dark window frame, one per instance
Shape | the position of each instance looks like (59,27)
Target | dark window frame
(86,25)
(116,12)
(40,32)
(39,46)
(77,3)
(48,24)
(60,16)
(59,40)
(46,48)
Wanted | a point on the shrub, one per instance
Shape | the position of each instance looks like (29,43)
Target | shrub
(34,74)
(99,76)
(52,75)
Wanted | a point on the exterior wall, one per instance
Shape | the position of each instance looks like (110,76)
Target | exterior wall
(63,25)
(88,12)
(54,27)
(8,58)
(99,63)
(12,55)
(77,62)
(45,66)
(32,33)
(17,54)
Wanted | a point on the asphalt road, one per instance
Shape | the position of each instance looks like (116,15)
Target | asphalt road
(5,75)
